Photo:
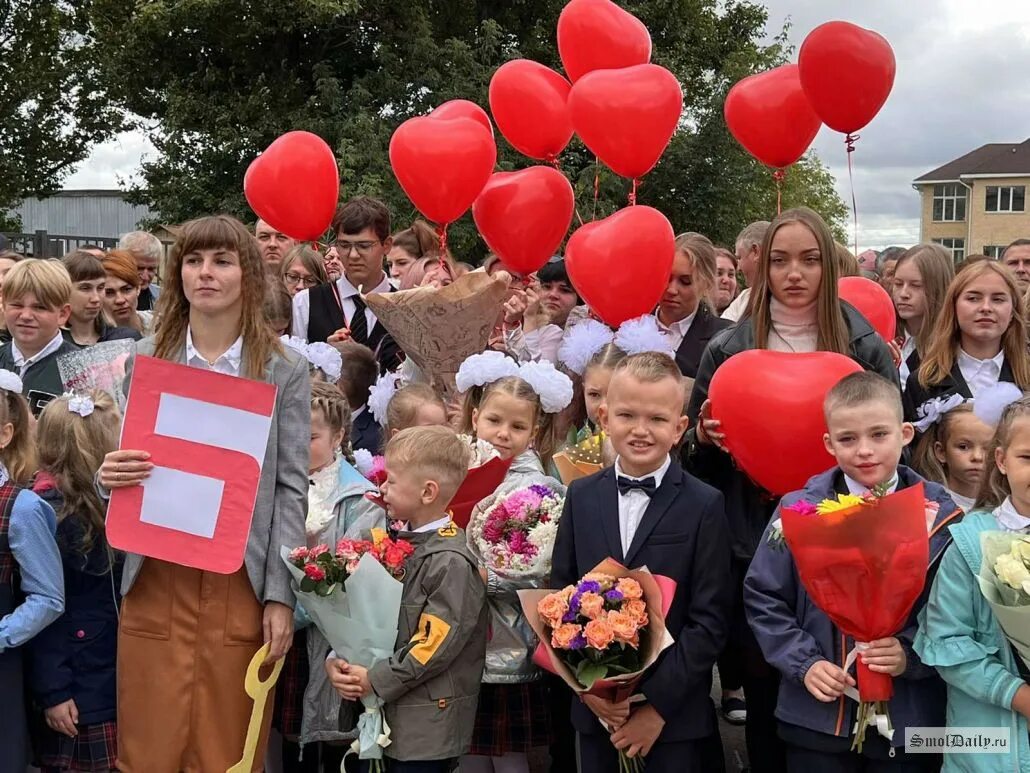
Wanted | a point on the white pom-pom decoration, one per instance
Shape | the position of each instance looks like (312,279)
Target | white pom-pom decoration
(299,345)
(582,342)
(484,368)
(10,381)
(552,386)
(643,335)
(327,359)
(933,410)
(992,402)
(363,460)
(380,394)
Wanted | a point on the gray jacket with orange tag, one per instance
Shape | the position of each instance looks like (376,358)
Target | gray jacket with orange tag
(430,684)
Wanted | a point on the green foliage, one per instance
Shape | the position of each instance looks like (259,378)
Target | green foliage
(52,106)
(221,79)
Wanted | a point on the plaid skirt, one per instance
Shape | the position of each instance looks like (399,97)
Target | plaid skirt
(289,693)
(511,718)
(95,748)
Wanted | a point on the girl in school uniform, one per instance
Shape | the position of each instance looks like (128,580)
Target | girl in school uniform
(182,675)
(918,293)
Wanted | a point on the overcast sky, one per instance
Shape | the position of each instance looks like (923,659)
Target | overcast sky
(961,83)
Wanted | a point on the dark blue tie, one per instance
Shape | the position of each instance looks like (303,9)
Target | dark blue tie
(647,485)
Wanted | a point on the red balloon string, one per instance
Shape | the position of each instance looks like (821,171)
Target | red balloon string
(597,185)
(553,161)
(779,175)
(441,231)
(633,193)
(849,142)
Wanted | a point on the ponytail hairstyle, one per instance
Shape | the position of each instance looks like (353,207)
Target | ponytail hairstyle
(608,357)
(924,458)
(71,448)
(940,355)
(18,456)
(328,400)
(404,405)
(995,487)
(544,441)
(419,241)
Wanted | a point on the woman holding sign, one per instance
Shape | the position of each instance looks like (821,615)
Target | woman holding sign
(794,308)
(187,635)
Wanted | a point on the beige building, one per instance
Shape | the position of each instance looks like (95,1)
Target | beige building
(977,203)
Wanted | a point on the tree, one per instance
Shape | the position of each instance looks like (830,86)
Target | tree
(52,107)
(221,79)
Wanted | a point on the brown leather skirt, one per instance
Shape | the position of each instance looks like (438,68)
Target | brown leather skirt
(185,640)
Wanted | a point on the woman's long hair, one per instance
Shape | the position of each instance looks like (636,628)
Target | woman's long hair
(211,233)
(936,269)
(941,352)
(834,335)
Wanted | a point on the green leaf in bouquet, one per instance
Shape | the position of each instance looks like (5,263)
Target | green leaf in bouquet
(325,560)
(587,673)
(307,585)
(325,588)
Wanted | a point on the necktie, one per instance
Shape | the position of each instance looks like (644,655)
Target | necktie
(647,485)
(358,323)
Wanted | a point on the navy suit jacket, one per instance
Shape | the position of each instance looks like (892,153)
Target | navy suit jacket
(684,536)
(366,433)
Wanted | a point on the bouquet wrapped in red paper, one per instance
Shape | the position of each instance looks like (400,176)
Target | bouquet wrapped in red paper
(863,561)
(601,634)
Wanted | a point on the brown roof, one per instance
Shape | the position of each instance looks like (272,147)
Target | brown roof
(995,158)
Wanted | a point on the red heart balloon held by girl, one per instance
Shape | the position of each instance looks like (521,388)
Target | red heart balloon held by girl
(872,301)
(627,117)
(770,116)
(771,408)
(620,266)
(524,216)
(847,73)
(294,185)
(530,104)
(599,35)
(442,164)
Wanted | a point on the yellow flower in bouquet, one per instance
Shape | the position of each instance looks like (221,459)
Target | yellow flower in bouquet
(842,502)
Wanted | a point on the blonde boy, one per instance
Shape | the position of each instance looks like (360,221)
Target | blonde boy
(431,682)
(37,304)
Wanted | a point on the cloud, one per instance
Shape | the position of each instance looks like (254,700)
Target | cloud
(960,84)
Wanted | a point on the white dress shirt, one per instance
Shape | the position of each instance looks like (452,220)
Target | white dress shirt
(228,362)
(736,309)
(22,362)
(677,331)
(633,504)
(302,304)
(439,523)
(856,488)
(980,374)
(1009,518)
(906,351)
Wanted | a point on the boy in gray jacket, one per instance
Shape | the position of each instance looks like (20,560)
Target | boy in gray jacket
(430,684)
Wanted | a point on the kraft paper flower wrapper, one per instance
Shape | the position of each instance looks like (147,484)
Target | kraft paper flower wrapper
(658,593)
(359,619)
(1010,606)
(439,328)
(864,567)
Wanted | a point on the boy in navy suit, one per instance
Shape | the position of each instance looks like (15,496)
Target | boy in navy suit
(646,511)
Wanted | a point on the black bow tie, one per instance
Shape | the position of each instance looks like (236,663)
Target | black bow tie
(647,485)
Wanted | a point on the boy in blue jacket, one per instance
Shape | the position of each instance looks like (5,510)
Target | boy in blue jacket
(866,434)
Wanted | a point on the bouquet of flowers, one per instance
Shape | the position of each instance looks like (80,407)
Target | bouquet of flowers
(1005,583)
(602,633)
(513,532)
(353,595)
(588,456)
(863,560)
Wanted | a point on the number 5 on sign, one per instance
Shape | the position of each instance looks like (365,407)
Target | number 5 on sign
(206,434)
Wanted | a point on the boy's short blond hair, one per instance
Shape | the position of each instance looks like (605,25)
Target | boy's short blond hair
(435,452)
(650,367)
(859,389)
(48,280)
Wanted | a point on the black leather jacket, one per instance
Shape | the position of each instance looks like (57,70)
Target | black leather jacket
(748,508)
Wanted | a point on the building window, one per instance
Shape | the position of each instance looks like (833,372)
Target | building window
(949,203)
(1010,198)
(993,251)
(957,247)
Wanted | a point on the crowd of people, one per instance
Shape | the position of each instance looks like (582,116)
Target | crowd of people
(114,661)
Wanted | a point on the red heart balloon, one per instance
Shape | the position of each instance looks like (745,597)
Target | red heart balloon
(872,301)
(847,73)
(620,266)
(599,35)
(771,408)
(524,216)
(462,108)
(529,103)
(294,185)
(770,116)
(627,117)
(442,164)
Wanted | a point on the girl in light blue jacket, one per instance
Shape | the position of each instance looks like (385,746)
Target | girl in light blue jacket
(958,633)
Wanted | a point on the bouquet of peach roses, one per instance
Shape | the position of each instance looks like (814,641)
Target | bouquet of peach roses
(602,633)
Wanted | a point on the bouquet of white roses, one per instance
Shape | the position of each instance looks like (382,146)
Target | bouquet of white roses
(1005,583)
